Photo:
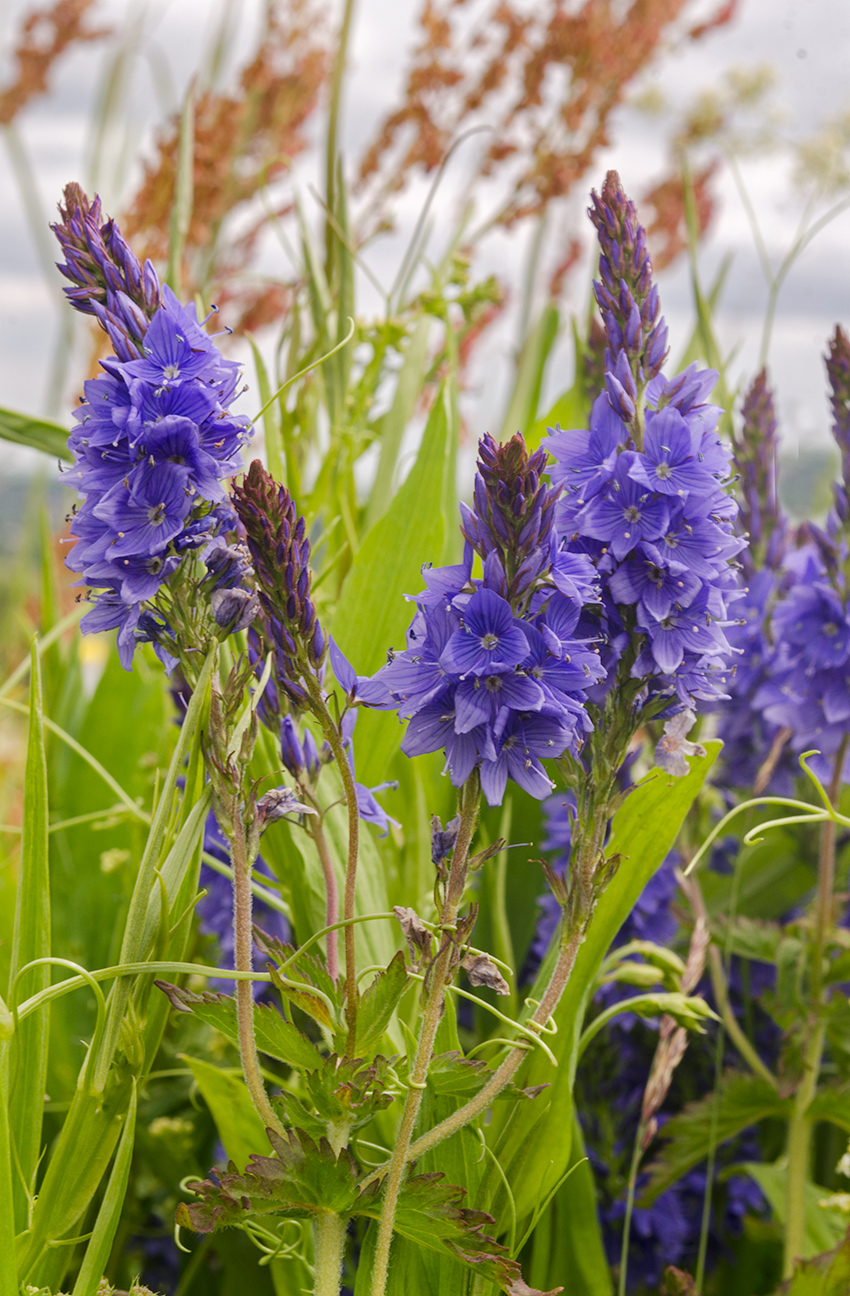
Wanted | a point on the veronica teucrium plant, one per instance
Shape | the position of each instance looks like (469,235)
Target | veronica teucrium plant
(592,599)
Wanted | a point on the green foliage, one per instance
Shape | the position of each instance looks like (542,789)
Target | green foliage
(239,1127)
(824,1275)
(378,1004)
(23,429)
(274,1034)
(738,1102)
(824,1225)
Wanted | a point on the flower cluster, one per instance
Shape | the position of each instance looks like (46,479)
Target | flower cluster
(747,735)
(808,688)
(494,671)
(643,487)
(153,441)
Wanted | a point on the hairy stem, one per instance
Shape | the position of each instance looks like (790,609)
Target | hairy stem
(331,894)
(243,962)
(571,941)
(432,1011)
(330,1244)
(331,732)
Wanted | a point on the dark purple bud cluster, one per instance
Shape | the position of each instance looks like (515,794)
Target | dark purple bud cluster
(276,537)
(754,450)
(627,298)
(300,756)
(510,526)
(109,280)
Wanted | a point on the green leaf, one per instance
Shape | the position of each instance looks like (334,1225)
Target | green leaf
(174,868)
(271,414)
(109,1214)
(567,1239)
(826,1226)
(8,1265)
(525,396)
(340,1096)
(740,1101)
(824,1275)
(407,394)
(372,615)
(534,1150)
(569,411)
(378,1004)
(31,941)
(239,1127)
(832,1104)
(275,1036)
(300,1180)
(22,429)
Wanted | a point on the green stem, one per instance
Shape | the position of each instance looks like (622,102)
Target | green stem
(432,1011)
(330,1245)
(630,1205)
(243,962)
(800,1129)
(331,732)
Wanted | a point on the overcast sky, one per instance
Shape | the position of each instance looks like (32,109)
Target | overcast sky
(807,41)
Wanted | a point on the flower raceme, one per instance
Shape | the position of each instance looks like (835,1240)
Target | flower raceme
(153,442)
(642,489)
(494,672)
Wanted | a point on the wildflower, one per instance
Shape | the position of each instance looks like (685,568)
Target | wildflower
(642,489)
(495,671)
(151,451)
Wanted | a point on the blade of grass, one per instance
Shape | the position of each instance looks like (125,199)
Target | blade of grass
(132,945)
(106,1224)
(8,1265)
(181,210)
(31,941)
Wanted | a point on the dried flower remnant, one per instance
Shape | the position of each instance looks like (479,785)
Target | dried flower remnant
(667,228)
(244,142)
(501,62)
(45,36)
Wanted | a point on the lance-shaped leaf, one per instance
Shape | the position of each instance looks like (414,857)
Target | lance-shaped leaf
(378,1004)
(740,1101)
(275,1036)
(109,1214)
(239,1127)
(23,429)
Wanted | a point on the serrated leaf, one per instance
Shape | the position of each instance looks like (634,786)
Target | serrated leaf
(39,434)
(832,1103)
(303,1178)
(378,1003)
(275,1036)
(824,1275)
(430,1213)
(239,1127)
(751,938)
(740,1101)
(452,1073)
(306,970)
(344,1094)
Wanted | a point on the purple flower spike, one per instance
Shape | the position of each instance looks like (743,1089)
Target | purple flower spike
(150,459)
